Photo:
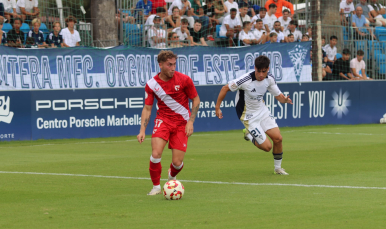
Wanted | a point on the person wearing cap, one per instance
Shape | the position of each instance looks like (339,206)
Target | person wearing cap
(71,37)
(341,69)
(157,35)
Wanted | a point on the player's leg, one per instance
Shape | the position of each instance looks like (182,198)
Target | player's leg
(178,142)
(277,151)
(255,134)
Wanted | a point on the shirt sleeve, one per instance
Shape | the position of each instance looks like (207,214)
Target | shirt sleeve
(149,96)
(239,83)
(190,89)
(273,88)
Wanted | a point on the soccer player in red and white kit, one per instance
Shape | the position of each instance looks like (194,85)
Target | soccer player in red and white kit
(173,123)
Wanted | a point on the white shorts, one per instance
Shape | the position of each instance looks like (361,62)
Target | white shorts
(258,126)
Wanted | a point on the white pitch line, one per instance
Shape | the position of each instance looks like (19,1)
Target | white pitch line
(196,181)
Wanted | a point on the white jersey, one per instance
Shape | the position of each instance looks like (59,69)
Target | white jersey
(250,92)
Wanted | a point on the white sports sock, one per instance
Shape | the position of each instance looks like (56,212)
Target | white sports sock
(157,186)
(277,164)
(178,167)
(155,160)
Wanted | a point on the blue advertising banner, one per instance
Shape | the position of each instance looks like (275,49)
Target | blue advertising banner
(128,67)
(90,113)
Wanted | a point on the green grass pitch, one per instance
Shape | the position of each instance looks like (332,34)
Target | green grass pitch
(337,180)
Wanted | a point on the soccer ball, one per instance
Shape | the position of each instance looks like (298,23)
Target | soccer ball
(173,190)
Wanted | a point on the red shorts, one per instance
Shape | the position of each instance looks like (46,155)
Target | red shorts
(175,134)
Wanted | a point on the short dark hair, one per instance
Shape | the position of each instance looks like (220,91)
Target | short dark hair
(277,22)
(360,53)
(184,21)
(272,5)
(263,9)
(160,10)
(294,22)
(245,23)
(333,37)
(290,35)
(242,5)
(324,37)
(259,20)
(286,11)
(233,10)
(262,62)
(198,21)
(272,34)
(70,18)
(346,51)
(207,1)
(17,19)
(305,35)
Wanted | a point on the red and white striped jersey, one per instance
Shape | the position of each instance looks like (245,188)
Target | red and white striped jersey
(172,97)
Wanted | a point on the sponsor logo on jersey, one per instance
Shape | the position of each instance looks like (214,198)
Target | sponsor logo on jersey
(5,115)
(177,87)
(254,90)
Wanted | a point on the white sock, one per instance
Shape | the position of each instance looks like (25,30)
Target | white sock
(178,167)
(277,164)
(155,160)
(157,186)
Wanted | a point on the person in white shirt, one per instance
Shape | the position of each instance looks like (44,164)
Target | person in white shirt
(280,34)
(261,15)
(246,36)
(331,51)
(260,34)
(186,10)
(358,66)
(71,37)
(231,4)
(292,29)
(284,20)
(345,9)
(183,31)
(376,11)
(156,35)
(160,12)
(28,9)
(230,27)
(242,15)
(270,18)
(10,9)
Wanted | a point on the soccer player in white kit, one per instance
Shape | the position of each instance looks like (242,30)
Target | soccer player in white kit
(252,111)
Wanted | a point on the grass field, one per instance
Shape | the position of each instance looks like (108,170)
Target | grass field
(337,180)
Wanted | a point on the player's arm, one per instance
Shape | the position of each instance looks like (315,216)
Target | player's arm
(221,97)
(145,118)
(195,107)
(283,99)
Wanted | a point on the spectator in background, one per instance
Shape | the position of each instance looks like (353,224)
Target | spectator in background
(260,33)
(279,4)
(186,10)
(36,34)
(159,3)
(198,14)
(161,12)
(290,38)
(261,15)
(3,35)
(280,34)
(341,69)
(285,20)
(358,66)
(325,68)
(270,18)
(156,35)
(71,37)
(54,39)
(331,51)
(231,26)
(28,9)
(220,10)
(272,38)
(366,11)
(305,38)
(174,41)
(173,20)
(10,10)
(376,11)
(346,8)
(242,15)
(359,20)
(246,36)
(209,11)
(292,29)
(197,35)
(309,33)
(183,31)
(251,11)
(146,6)
(15,37)
(231,4)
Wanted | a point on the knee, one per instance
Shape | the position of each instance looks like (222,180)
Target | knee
(177,162)
(156,154)
(278,140)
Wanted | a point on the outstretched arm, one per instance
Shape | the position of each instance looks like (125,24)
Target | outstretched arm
(145,118)
(195,107)
(283,99)
(221,97)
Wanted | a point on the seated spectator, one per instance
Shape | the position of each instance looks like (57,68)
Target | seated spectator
(290,38)
(285,20)
(36,34)
(376,11)
(261,15)
(209,11)
(272,38)
(358,66)
(143,9)
(251,12)
(280,34)
(230,27)
(242,15)
(246,37)
(10,10)
(346,8)
(270,18)
(231,4)
(159,3)
(3,35)
(204,20)
(174,41)
(71,37)
(156,35)
(54,39)
(186,10)
(174,20)
(359,20)
(325,68)
(341,69)
(150,20)
(220,10)
(197,34)
(331,51)
(15,37)
(260,33)
(279,4)
(305,38)
(183,31)
(292,29)
(366,11)
(28,9)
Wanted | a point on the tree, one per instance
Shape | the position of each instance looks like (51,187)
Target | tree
(103,20)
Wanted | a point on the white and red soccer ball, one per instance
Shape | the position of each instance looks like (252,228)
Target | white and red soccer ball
(173,190)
